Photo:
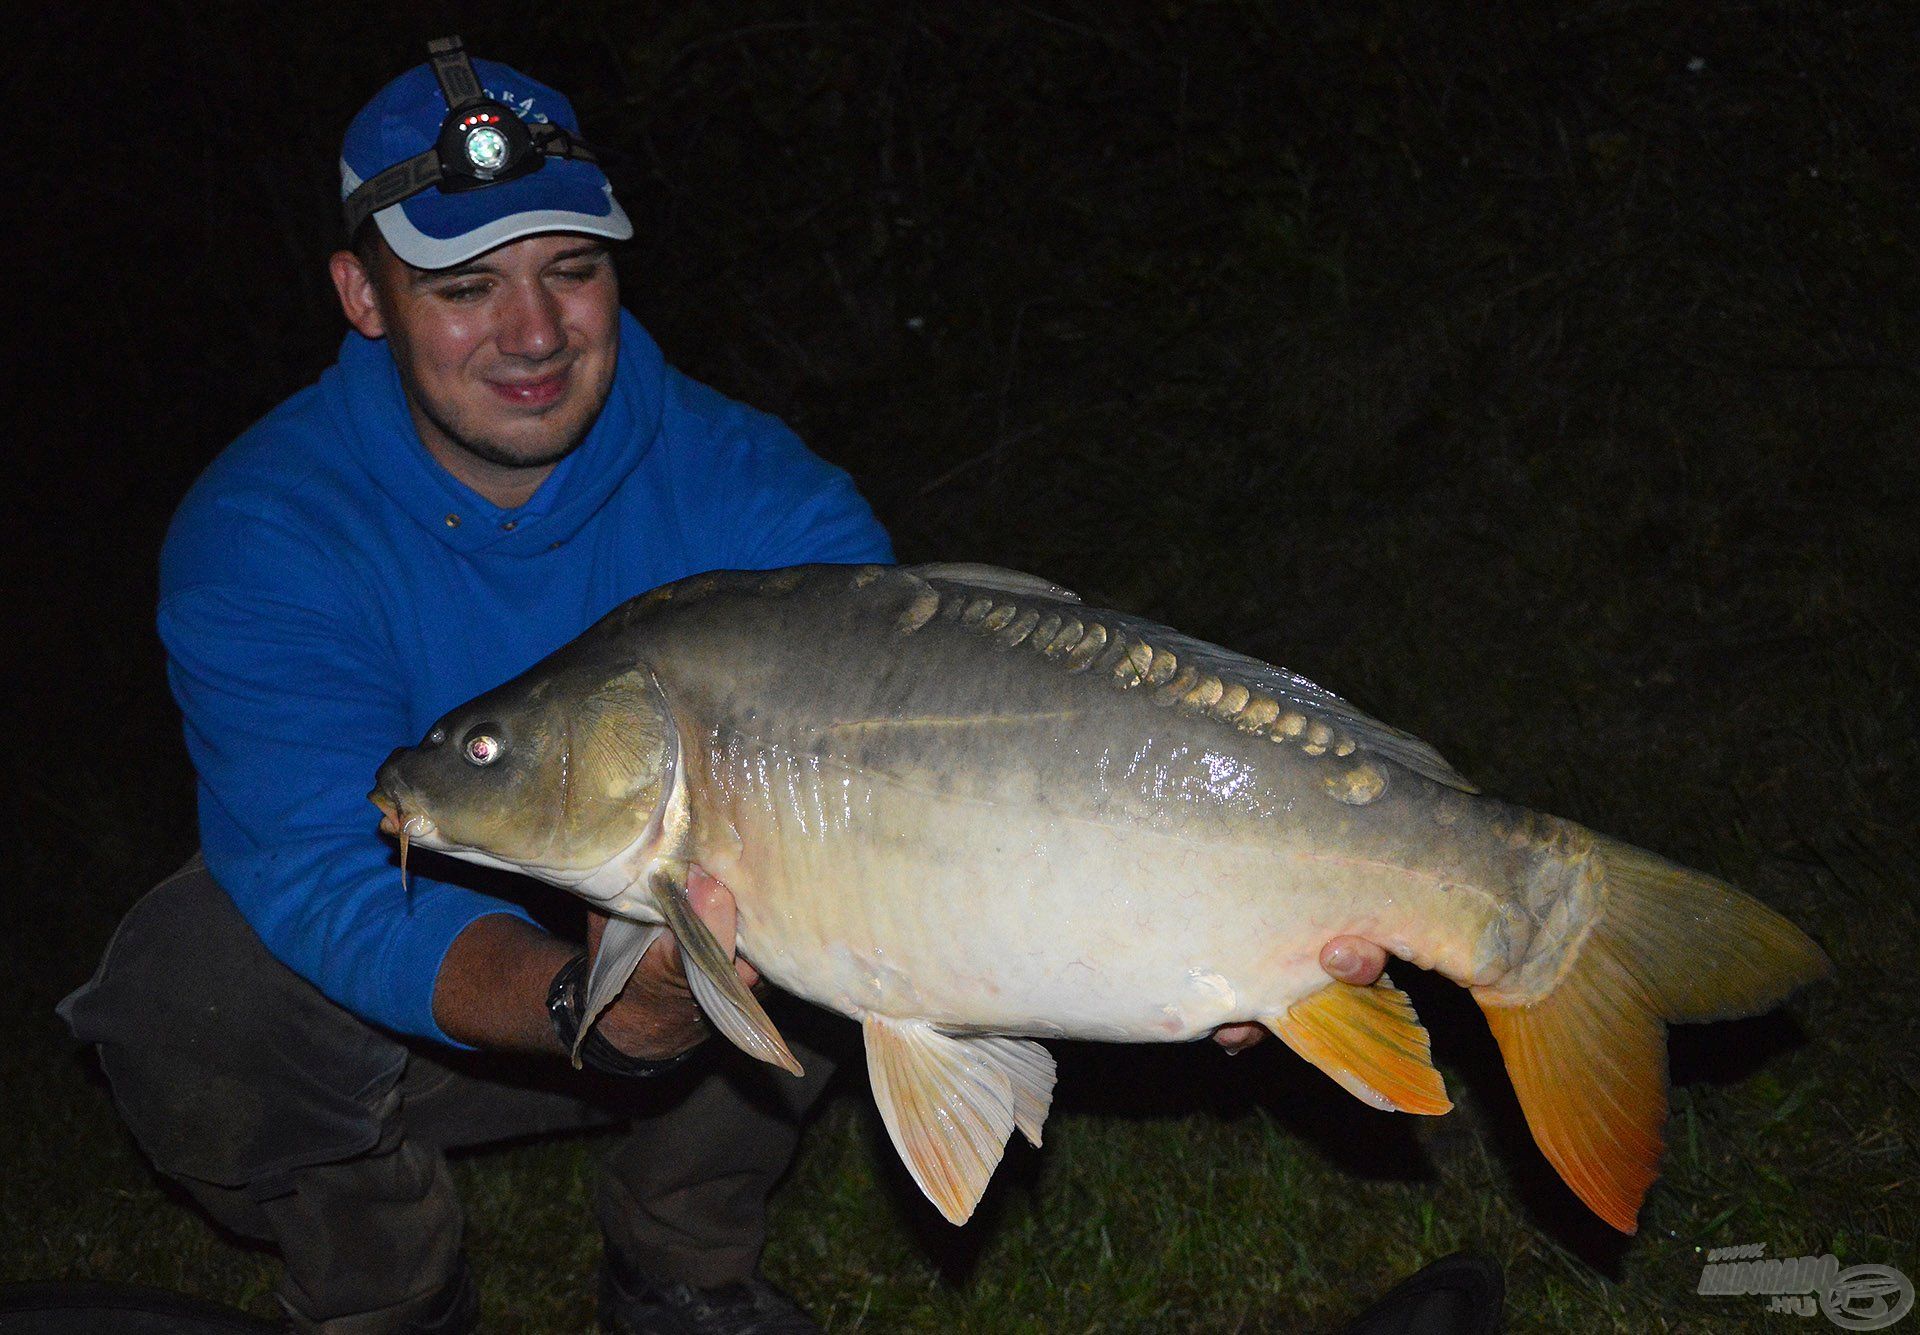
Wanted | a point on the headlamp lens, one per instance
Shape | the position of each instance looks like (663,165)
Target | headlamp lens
(487,149)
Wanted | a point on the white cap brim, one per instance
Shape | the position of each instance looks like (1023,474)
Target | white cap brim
(430,252)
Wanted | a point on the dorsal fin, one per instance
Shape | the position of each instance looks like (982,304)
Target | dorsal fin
(993,577)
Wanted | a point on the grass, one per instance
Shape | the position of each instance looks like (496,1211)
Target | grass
(1546,393)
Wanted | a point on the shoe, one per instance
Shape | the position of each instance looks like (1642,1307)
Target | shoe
(633,1304)
(454,1309)
(1460,1294)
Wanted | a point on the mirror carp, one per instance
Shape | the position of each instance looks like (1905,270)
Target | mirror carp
(965,809)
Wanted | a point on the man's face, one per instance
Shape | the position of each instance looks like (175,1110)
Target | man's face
(507,359)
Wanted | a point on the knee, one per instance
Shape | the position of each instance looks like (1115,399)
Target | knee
(185,976)
(222,1061)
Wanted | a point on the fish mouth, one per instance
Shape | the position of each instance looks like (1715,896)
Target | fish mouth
(407,829)
(390,822)
(395,822)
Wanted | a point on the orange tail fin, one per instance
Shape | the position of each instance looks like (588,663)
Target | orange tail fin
(1588,1059)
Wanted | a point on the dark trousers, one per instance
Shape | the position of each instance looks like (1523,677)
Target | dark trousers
(290,1120)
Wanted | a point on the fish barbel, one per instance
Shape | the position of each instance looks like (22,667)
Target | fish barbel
(971,812)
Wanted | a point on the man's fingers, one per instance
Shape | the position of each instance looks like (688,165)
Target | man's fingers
(1237,1038)
(1349,959)
(717,909)
(1352,959)
(664,966)
(715,904)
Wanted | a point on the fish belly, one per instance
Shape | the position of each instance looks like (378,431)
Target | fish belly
(1021,916)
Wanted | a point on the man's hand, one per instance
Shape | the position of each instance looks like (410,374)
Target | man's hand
(656,1017)
(1347,958)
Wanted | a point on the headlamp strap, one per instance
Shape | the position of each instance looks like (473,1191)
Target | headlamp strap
(458,83)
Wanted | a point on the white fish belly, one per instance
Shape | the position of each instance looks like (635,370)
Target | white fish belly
(863,899)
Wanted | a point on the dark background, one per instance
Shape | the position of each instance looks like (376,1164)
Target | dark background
(1542,377)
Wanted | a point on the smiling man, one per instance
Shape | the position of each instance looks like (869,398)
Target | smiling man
(499,456)
(505,360)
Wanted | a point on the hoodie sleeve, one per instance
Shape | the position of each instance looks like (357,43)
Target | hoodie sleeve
(289,707)
(753,497)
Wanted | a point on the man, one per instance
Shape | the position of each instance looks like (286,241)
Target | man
(499,456)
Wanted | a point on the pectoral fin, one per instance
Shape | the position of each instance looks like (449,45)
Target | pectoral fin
(949,1104)
(728,1002)
(1370,1041)
(621,946)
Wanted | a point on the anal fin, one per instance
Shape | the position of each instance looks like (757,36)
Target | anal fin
(728,1002)
(950,1103)
(1369,1040)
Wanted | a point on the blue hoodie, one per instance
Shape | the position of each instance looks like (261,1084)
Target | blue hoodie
(327,590)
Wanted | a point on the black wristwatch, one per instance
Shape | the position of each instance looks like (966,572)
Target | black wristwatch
(563,1008)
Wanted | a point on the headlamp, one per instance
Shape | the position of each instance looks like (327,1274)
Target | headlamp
(482,142)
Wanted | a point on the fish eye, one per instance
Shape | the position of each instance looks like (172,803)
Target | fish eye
(483,748)
(436,737)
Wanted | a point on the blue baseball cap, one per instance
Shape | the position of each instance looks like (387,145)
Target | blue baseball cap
(437,230)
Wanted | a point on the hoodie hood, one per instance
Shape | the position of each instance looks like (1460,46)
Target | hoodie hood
(363,389)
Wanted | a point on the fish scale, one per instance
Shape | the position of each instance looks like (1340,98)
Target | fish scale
(1130,660)
(968,811)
